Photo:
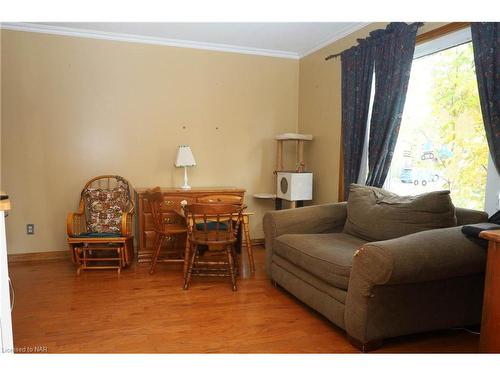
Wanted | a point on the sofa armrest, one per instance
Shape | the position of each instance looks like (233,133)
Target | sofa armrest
(391,282)
(322,218)
(466,216)
(430,255)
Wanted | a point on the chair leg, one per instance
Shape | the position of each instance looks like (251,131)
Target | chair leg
(174,243)
(186,257)
(76,253)
(248,244)
(79,260)
(122,261)
(236,261)
(159,242)
(230,261)
(72,250)
(119,255)
(126,253)
(187,279)
(84,258)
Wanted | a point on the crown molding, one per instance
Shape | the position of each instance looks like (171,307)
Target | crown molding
(349,29)
(104,35)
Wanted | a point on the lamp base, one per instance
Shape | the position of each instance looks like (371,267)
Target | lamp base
(185,186)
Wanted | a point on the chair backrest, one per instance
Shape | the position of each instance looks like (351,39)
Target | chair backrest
(109,182)
(155,200)
(103,188)
(213,223)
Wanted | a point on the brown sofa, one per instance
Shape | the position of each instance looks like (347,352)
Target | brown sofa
(419,282)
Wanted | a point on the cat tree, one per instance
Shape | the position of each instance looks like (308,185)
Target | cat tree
(294,186)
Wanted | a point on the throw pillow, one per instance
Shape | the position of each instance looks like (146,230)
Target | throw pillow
(376,214)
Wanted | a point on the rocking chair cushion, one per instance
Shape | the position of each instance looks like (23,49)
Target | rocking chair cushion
(105,208)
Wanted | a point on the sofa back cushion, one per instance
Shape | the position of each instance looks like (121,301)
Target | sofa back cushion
(376,214)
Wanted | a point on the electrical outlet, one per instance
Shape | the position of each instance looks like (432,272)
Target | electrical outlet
(30,228)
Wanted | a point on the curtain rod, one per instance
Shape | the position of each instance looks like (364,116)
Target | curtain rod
(329,57)
(332,56)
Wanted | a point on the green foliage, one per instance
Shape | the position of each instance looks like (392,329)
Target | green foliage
(443,117)
(456,122)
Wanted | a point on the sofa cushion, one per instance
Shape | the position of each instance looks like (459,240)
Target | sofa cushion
(376,214)
(327,256)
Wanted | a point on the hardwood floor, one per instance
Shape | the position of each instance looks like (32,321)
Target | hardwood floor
(102,312)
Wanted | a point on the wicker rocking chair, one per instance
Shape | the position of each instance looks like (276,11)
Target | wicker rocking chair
(102,225)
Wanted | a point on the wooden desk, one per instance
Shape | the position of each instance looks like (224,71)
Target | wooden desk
(172,201)
(489,341)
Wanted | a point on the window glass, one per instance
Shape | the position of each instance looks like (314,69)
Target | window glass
(442,143)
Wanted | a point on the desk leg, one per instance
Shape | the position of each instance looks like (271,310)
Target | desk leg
(130,250)
(489,340)
(248,245)
(278,204)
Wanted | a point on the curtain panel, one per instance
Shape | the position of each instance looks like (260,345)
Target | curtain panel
(393,58)
(357,74)
(486,45)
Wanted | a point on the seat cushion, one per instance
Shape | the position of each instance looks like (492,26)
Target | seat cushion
(327,256)
(212,225)
(376,214)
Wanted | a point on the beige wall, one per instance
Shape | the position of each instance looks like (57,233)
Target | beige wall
(320,111)
(74,108)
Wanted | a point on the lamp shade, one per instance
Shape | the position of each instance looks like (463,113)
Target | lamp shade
(185,157)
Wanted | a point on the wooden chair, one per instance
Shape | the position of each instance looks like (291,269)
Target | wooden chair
(103,222)
(164,230)
(245,223)
(215,226)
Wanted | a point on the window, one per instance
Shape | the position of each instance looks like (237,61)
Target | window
(442,142)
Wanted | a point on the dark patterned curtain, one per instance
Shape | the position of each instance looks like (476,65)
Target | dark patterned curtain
(357,74)
(486,44)
(394,54)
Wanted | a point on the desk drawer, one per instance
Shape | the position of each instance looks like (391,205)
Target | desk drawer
(172,218)
(221,198)
(174,202)
(169,241)
(166,218)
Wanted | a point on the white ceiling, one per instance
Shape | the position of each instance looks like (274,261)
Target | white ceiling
(290,39)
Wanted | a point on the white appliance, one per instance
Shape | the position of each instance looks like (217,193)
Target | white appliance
(5,306)
(293,186)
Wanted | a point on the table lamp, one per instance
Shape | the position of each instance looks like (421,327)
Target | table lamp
(185,159)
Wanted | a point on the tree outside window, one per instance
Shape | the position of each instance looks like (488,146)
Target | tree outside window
(442,143)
